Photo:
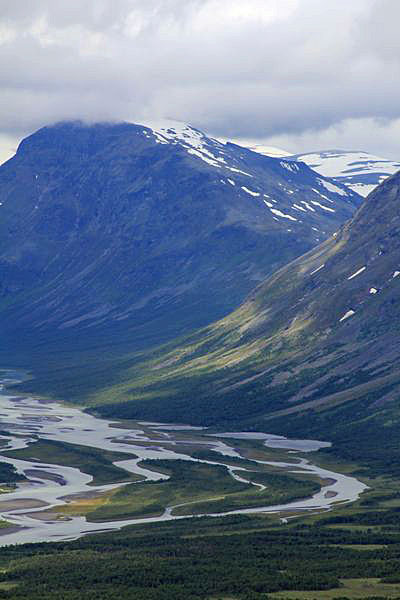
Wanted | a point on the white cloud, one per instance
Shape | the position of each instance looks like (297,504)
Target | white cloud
(380,135)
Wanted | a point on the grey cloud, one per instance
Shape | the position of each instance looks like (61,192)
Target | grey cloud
(251,68)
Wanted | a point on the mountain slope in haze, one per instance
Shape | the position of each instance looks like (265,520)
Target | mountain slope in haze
(314,351)
(120,232)
(358,170)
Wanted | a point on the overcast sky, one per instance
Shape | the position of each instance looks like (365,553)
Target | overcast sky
(298,74)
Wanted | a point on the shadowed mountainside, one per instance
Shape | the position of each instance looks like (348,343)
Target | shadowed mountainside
(118,237)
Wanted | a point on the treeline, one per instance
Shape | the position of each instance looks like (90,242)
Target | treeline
(9,474)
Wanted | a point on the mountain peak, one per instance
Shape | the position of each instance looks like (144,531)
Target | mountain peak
(121,226)
(359,170)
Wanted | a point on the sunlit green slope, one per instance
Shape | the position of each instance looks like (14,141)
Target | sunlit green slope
(313,351)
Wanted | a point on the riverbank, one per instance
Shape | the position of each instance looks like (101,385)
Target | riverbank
(137,451)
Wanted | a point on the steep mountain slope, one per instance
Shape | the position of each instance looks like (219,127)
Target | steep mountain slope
(313,351)
(135,233)
(360,171)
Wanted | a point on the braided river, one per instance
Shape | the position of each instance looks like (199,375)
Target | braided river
(24,420)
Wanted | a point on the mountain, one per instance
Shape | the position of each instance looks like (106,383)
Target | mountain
(360,171)
(314,351)
(130,234)
(357,170)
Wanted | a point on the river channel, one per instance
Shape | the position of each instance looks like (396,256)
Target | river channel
(23,420)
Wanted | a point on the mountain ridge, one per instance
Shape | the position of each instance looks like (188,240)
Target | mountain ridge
(115,229)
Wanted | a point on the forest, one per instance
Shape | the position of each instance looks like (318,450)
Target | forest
(238,557)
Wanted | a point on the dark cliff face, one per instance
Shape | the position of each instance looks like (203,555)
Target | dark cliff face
(118,228)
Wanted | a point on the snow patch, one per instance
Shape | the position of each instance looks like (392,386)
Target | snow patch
(297,207)
(234,170)
(332,188)
(322,206)
(278,213)
(290,166)
(317,269)
(349,313)
(356,273)
(245,189)
(373,291)
(322,195)
(195,142)
(395,274)
(307,205)
(203,157)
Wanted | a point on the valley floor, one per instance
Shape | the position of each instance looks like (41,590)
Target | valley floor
(236,558)
(155,477)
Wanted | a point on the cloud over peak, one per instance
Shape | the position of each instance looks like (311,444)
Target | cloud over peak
(251,68)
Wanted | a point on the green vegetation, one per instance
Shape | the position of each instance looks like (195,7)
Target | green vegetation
(188,482)
(356,430)
(349,589)
(8,474)
(212,455)
(284,363)
(92,461)
(207,488)
(279,490)
(239,557)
